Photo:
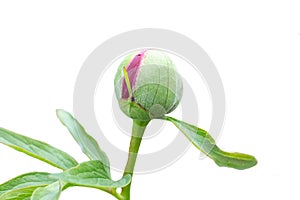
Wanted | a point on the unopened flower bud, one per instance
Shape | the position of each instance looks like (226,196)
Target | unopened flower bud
(147,85)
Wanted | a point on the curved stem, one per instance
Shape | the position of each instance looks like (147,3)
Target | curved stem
(138,129)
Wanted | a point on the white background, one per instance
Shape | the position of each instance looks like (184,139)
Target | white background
(255,46)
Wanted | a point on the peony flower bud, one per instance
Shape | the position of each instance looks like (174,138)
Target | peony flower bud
(147,85)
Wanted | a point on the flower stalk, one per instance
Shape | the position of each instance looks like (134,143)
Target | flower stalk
(138,130)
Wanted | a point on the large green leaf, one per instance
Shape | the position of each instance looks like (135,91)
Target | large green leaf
(18,194)
(205,143)
(87,143)
(88,174)
(91,174)
(50,192)
(37,179)
(37,149)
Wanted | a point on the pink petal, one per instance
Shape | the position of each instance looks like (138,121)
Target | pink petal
(132,70)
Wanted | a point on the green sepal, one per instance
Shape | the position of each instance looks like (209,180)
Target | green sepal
(133,110)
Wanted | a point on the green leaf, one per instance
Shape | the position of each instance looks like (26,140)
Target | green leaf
(18,194)
(205,143)
(37,179)
(87,143)
(37,149)
(50,192)
(91,174)
(48,186)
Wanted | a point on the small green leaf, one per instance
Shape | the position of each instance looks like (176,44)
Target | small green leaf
(205,143)
(87,143)
(91,174)
(50,192)
(37,149)
(37,179)
(18,194)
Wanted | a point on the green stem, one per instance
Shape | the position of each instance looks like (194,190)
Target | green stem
(138,130)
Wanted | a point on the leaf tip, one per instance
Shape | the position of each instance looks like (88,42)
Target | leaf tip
(59,111)
(61,114)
